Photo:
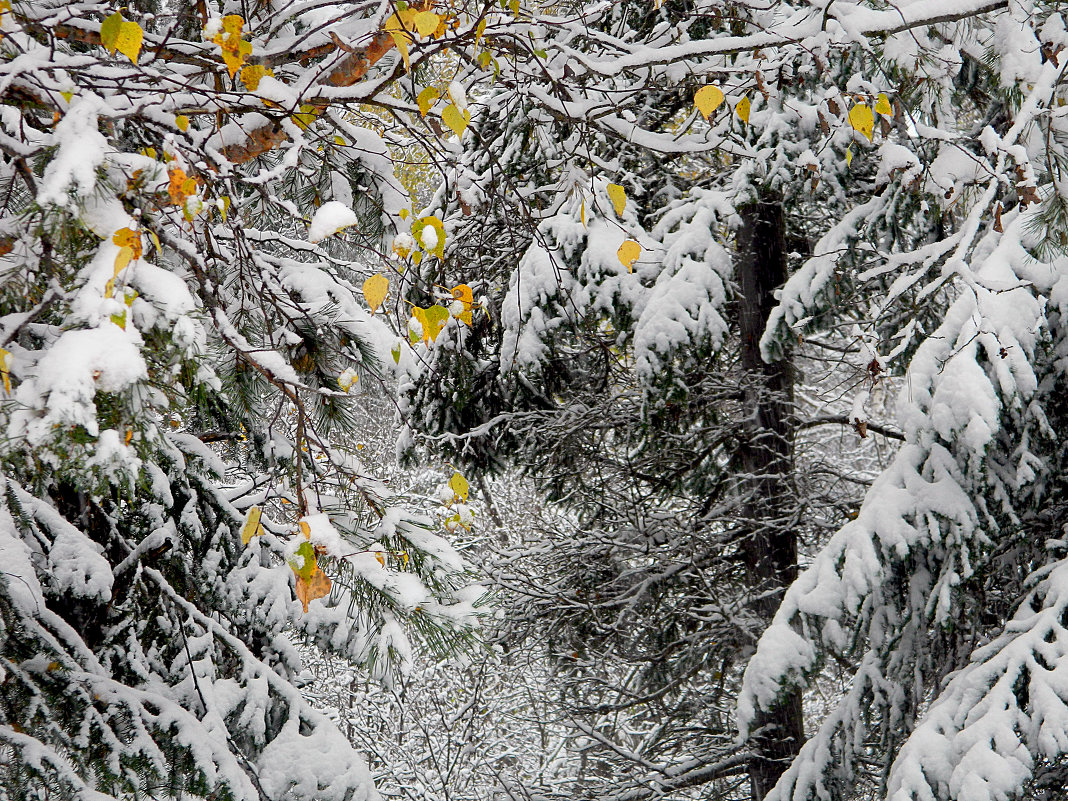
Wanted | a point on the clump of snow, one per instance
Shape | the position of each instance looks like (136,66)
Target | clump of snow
(330,218)
(66,379)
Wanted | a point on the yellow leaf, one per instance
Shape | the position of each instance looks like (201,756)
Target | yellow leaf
(861,118)
(253,74)
(628,253)
(119,320)
(5,369)
(480,31)
(234,50)
(707,100)
(128,41)
(252,527)
(456,120)
(126,237)
(426,99)
(419,315)
(316,585)
(232,24)
(432,243)
(618,195)
(426,22)
(307,116)
(882,105)
(155,241)
(66,95)
(347,379)
(433,321)
(582,212)
(742,110)
(396,28)
(374,291)
(458,484)
(182,122)
(849,155)
(123,258)
(224,206)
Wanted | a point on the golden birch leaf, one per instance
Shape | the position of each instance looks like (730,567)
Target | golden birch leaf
(123,258)
(459,486)
(882,105)
(182,122)
(252,527)
(429,233)
(128,41)
(435,318)
(401,37)
(5,369)
(375,289)
(708,99)
(252,74)
(861,118)
(742,110)
(128,238)
(618,195)
(418,316)
(455,119)
(426,22)
(426,99)
(628,253)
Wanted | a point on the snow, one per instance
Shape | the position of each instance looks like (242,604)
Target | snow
(81,152)
(312,766)
(64,382)
(330,218)
(19,577)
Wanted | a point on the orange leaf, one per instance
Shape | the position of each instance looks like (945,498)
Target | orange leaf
(463,293)
(317,585)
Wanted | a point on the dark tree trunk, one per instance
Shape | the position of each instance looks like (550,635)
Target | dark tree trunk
(766,462)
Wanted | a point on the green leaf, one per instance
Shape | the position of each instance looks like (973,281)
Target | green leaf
(305,564)
(109,31)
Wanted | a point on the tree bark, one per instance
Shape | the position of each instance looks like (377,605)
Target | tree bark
(766,464)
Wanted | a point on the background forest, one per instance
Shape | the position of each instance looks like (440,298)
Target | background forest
(645,399)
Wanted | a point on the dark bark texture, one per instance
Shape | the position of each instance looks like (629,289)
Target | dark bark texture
(766,463)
